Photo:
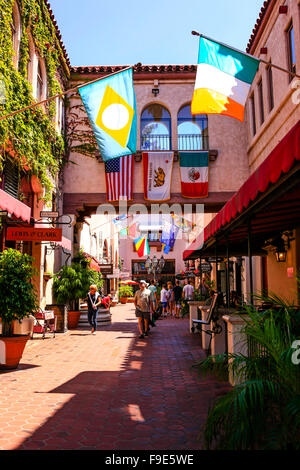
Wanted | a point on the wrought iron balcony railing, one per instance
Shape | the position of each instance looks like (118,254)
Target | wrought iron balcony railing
(185,142)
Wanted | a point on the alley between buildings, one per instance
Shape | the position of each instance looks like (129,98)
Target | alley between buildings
(108,391)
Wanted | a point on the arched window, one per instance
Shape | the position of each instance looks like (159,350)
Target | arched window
(156,128)
(105,251)
(31,58)
(192,130)
(39,83)
(16,32)
(59,114)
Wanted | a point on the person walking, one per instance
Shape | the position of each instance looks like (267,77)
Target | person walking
(93,301)
(177,298)
(153,301)
(142,308)
(164,300)
(171,299)
(188,291)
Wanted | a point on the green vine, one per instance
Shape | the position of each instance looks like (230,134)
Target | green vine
(30,134)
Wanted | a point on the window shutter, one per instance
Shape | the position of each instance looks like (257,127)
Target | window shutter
(11,179)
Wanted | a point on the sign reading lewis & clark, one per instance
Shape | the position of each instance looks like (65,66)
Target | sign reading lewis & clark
(34,234)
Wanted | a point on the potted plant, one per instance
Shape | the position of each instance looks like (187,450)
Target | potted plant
(18,300)
(124,293)
(72,283)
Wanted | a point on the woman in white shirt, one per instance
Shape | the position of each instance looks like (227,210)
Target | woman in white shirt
(164,300)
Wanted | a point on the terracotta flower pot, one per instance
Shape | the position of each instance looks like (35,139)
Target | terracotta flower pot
(123,300)
(130,300)
(11,350)
(73,319)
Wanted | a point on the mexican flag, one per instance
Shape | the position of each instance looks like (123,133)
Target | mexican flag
(194,174)
(158,168)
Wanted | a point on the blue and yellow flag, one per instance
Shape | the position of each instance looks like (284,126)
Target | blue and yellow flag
(111,108)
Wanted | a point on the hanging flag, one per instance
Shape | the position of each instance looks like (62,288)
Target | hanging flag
(168,236)
(184,224)
(224,77)
(132,230)
(111,109)
(194,174)
(119,178)
(158,168)
(120,218)
(142,246)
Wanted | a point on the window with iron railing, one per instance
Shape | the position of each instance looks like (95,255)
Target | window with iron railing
(156,128)
(192,130)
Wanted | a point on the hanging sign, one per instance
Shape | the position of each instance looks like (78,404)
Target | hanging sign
(205,267)
(34,234)
(49,214)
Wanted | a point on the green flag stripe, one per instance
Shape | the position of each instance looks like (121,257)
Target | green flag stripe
(235,63)
(193,159)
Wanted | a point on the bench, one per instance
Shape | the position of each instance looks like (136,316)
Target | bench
(212,317)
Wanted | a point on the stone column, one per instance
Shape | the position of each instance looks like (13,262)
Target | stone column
(77,235)
(237,341)
(205,337)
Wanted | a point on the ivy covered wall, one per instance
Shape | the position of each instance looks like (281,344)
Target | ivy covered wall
(30,134)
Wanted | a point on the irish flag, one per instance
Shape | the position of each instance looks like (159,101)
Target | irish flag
(194,174)
(224,77)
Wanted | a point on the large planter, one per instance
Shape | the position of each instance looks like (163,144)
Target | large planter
(130,300)
(123,300)
(73,319)
(11,351)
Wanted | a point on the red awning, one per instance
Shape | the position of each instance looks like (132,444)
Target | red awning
(13,206)
(94,263)
(95,266)
(279,162)
(65,243)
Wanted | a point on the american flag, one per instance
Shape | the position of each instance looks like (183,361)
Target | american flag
(119,176)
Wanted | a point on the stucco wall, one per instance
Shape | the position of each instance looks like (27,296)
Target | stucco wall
(285,113)
(226,135)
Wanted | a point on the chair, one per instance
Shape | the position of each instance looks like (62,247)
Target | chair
(211,317)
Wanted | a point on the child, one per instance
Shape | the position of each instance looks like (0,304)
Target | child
(164,300)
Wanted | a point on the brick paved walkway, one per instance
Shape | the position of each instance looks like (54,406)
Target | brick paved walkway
(108,391)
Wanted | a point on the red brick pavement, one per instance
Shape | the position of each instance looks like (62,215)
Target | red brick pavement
(110,391)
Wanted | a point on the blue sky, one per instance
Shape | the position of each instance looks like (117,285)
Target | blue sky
(98,32)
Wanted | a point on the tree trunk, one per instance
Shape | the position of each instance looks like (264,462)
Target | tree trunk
(7,328)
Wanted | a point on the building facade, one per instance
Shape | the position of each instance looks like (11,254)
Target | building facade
(261,222)
(33,66)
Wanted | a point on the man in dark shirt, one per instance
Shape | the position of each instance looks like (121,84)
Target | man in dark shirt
(177,297)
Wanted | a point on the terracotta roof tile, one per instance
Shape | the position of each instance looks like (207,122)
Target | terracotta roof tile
(138,68)
(58,33)
(258,23)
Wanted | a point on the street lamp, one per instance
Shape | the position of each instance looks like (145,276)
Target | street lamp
(154,266)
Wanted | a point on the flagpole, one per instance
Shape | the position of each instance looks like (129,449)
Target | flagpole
(195,33)
(63,93)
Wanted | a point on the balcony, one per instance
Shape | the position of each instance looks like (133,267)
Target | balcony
(186,142)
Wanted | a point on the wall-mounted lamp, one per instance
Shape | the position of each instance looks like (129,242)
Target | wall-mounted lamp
(280,255)
(155,90)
